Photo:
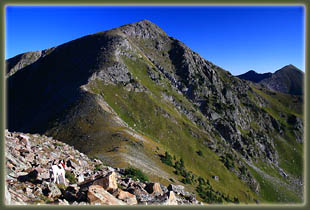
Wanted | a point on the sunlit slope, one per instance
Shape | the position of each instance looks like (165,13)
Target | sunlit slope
(135,96)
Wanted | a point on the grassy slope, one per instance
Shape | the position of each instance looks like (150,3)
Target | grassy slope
(164,127)
(289,150)
(271,192)
(155,118)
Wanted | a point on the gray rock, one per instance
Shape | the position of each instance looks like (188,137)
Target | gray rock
(216,178)
(178,189)
(54,190)
(7,196)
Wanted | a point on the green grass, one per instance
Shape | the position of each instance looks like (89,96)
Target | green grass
(149,114)
(289,150)
(136,174)
(71,177)
(281,102)
(155,118)
(140,110)
(269,170)
(290,157)
(273,193)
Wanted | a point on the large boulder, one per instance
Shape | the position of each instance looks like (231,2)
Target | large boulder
(172,199)
(154,188)
(127,197)
(43,173)
(108,182)
(53,190)
(98,196)
(144,198)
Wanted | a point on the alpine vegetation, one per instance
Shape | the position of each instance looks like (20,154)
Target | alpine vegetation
(151,122)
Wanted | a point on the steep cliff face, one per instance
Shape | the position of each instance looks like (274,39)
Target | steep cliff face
(130,94)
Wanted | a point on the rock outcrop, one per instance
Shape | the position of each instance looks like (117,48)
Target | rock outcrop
(28,181)
(20,61)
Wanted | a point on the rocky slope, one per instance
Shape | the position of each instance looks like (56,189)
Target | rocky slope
(29,158)
(135,96)
(25,59)
(288,79)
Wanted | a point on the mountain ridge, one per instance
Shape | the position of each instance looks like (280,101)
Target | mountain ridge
(133,91)
(254,76)
(288,79)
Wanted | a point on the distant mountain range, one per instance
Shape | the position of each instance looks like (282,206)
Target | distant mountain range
(288,79)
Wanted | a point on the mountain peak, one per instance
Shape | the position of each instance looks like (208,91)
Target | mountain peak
(144,29)
(145,21)
(288,79)
(251,72)
(254,76)
(289,67)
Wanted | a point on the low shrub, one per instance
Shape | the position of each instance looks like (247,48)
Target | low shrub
(71,177)
(167,159)
(136,174)
(98,167)
(199,152)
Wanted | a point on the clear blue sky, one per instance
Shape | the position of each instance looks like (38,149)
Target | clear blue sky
(237,38)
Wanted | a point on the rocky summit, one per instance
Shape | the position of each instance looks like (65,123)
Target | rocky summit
(135,97)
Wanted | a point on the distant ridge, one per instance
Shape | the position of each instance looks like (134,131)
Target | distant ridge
(288,79)
(254,76)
